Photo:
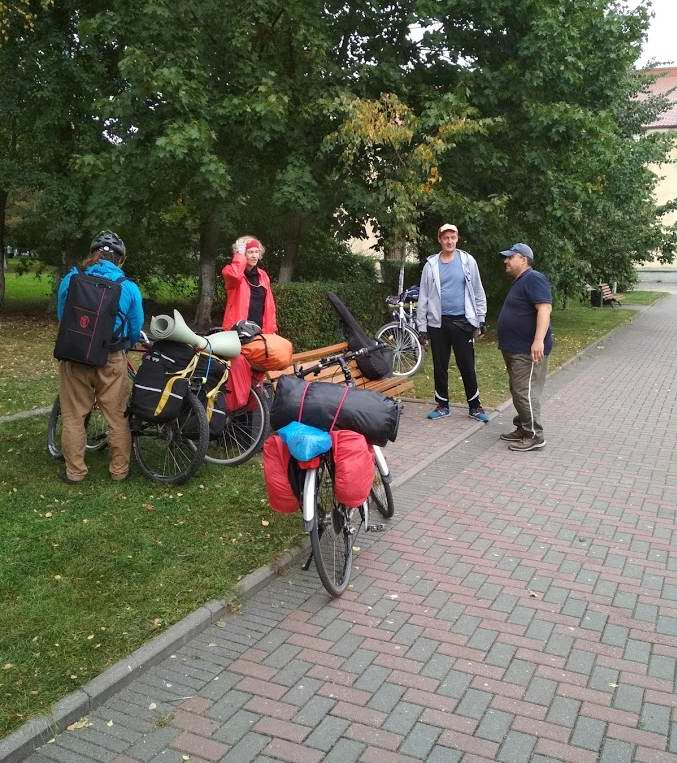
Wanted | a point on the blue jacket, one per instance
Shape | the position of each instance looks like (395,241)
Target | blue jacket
(130,304)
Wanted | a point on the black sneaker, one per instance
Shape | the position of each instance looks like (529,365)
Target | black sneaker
(514,436)
(528,443)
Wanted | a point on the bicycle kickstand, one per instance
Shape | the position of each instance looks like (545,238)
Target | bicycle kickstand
(306,565)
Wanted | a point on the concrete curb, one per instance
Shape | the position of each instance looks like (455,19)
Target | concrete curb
(35,732)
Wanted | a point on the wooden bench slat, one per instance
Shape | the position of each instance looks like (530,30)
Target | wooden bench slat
(391,386)
(608,295)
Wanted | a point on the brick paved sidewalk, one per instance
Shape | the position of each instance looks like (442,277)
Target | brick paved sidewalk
(522,607)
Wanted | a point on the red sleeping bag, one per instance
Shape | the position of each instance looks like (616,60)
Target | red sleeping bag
(276,458)
(354,467)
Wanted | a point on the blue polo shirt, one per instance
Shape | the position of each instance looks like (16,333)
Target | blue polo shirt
(516,325)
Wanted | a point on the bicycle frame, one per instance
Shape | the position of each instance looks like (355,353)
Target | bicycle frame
(404,316)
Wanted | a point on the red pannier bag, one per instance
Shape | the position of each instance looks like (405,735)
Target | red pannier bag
(276,457)
(268,352)
(353,467)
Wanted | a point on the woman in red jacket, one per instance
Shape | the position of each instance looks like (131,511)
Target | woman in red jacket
(248,297)
(248,292)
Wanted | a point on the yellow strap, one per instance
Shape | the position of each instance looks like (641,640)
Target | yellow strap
(211,395)
(166,392)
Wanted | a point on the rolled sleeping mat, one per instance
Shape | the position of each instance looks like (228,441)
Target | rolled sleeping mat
(225,344)
(365,411)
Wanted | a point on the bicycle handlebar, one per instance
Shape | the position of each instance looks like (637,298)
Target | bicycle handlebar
(341,359)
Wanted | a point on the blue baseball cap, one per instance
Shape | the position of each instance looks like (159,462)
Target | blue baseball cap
(523,249)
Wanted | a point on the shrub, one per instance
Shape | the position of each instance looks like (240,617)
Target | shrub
(305,316)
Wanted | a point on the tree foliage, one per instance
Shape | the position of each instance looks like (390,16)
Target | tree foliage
(184,124)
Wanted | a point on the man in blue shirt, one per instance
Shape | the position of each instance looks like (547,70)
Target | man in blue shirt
(81,385)
(525,339)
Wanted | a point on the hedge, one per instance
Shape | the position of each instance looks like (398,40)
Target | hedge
(305,316)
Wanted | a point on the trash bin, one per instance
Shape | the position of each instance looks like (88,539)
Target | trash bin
(596,297)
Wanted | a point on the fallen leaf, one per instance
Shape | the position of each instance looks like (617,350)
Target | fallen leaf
(533,594)
(57,577)
(265,522)
(152,706)
(83,723)
(7,666)
(110,723)
(613,686)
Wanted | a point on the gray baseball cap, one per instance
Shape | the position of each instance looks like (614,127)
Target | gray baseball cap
(523,249)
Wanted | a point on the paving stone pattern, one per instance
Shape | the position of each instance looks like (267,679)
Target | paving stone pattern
(521,607)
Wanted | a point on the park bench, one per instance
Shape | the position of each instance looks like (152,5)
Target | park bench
(608,297)
(393,386)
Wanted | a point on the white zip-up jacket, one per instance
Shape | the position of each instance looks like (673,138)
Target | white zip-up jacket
(429,307)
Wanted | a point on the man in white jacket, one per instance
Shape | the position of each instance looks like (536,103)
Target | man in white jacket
(451,312)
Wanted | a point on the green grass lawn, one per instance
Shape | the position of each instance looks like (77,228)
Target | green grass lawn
(27,293)
(90,573)
(27,368)
(642,297)
(574,328)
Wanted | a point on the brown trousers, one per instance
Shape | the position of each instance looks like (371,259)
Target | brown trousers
(79,387)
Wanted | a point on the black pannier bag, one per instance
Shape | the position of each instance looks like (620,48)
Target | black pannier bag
(365,411)
(161,383)
(214,373)
(376,365)
(86,327)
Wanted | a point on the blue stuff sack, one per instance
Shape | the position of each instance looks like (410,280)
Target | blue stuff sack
(305,442)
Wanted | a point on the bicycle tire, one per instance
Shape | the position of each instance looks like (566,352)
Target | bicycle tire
(177,458)
(406,347)
(381,495)
(95,427)
(330,537)
(244,433)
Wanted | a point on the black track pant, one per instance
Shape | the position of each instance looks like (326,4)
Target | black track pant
(454,334)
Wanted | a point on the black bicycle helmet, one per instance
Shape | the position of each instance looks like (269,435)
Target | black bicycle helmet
(246,330)
(108,241)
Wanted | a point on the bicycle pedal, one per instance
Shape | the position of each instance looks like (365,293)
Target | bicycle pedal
(379,527)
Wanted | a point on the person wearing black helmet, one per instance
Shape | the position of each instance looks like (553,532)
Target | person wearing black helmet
(81,383)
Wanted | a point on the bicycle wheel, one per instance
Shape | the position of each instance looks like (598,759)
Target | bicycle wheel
(331,536)
(406,347)
(381,496)
(163,452)
(95,426)
(244,433)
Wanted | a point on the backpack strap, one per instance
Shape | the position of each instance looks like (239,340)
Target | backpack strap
(120,341)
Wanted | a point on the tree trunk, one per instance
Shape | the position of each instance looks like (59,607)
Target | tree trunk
(209,238)
(396,253)
(294,233)
(3,216)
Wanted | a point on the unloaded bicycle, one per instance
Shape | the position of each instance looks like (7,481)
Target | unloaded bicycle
(333,527)
(401,334)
